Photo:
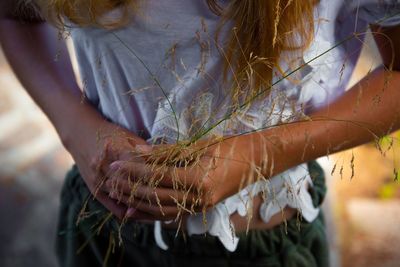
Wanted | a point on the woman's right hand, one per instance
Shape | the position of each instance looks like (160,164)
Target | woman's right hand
(94,148)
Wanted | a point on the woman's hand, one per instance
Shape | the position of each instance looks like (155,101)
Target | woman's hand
(94,148)
(175,181)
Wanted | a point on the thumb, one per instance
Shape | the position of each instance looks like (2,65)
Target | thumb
(144,149)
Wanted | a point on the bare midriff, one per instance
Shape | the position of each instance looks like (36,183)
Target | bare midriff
(254,221)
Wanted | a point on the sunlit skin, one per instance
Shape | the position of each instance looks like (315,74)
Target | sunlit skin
(351,120)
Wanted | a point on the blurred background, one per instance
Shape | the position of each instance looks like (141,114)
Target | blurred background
(362,212)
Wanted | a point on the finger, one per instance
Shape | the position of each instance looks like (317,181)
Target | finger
(156,212)
(118,210)
(112,152)
(165,176)
(136,215)
(129,155)
(165,196)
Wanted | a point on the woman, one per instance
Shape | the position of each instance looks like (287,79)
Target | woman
(215,88)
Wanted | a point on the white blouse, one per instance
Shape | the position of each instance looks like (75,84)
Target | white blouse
(167,61)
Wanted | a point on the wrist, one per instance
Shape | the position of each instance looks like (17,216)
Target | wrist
(79,121)
(285,146)
(266,150)
(275,151)
(298,142)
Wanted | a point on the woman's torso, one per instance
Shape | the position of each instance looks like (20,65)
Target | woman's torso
(161,77)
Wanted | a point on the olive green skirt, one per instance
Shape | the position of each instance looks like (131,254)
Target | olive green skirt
(95,239)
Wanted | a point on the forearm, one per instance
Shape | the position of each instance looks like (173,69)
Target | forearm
(369,110)
(31,49)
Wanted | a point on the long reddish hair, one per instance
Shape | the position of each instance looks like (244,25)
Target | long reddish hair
(263,29)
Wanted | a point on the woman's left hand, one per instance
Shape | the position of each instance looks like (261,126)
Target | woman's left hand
(159,190)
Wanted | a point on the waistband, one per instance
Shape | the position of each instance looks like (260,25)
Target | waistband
(75,195)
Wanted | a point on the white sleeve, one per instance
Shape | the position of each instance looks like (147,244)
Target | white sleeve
(382,12)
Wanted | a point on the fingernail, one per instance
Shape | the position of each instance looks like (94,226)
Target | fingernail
(144,148)
(130,212)
(116,165)
(113,195)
